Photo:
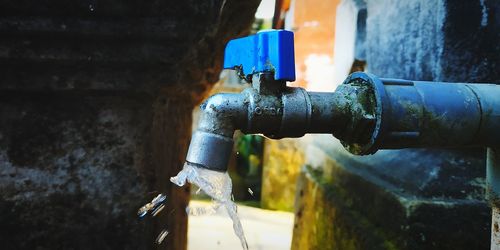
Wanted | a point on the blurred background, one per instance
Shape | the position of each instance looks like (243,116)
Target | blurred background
(98,99)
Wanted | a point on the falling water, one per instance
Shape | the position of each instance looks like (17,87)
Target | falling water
(161,236)
(218,186)
(153,208)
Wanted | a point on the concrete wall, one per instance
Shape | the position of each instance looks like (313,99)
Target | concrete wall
(445,40)
(282,161)
(95,106)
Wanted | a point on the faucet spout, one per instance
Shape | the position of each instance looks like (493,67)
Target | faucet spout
(212,143)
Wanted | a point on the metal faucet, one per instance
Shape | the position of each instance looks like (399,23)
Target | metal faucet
(366,113)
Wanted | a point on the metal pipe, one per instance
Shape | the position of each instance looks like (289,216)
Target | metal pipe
(413,114)
(268,108)
(366,113)
(212,143)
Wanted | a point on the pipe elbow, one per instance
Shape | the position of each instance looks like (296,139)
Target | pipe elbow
(221,114)
(214,104)
(212,143)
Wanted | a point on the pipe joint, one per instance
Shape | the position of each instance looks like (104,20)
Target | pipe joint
(297,111)
(212,143)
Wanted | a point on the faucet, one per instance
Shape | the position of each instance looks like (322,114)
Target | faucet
(366,113)
(270,107)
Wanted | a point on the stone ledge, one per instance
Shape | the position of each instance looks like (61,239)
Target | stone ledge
(341,207)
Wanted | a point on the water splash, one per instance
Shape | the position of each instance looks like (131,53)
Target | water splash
(218,186)
(154,207)
(157,210)
(205,210)
(163,234)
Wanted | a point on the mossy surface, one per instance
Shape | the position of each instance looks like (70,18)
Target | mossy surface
(282,161)
(329,216)
(341,207)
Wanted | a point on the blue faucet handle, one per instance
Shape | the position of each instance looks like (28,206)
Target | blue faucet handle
(266,51)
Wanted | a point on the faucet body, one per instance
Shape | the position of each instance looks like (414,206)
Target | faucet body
(269,107)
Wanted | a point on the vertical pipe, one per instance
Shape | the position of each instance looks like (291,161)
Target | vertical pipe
(493,180)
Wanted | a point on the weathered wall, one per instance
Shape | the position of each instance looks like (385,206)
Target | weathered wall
(95,107)
(314,27)
(446,40)
(406,199)
(282,161)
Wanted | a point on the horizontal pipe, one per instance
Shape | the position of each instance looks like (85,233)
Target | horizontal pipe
(435,114)
(365,113)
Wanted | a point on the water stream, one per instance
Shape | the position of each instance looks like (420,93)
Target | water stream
(219,187)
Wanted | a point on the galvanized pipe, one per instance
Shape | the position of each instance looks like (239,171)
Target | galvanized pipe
(366,113)
(268,108)
(412,114)
(212,143)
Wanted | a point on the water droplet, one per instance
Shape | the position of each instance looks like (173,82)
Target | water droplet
(250,191)
(161,236)
(159,199)
(157,210)
(142,213)
(155,206)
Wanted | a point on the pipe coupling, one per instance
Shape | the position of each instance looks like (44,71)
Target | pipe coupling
(297,109)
